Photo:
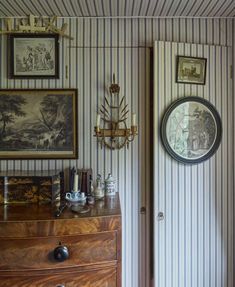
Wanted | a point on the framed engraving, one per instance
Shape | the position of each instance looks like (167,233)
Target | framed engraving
(191,70)
(38,124)
(191,130)
(33,56)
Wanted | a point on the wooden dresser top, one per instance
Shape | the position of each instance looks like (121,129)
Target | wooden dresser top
(32,220)
(110,206)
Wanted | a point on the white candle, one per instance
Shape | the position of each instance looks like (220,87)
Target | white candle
(75,183)
(133,119)
(98,120)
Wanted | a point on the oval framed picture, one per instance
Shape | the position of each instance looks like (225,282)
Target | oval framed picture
(191,130)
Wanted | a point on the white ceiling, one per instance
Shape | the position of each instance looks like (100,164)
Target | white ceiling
(107,8)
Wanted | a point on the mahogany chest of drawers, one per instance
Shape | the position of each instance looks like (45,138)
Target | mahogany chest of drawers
(29,235)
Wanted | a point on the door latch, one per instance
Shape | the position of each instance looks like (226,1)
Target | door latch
(160,216)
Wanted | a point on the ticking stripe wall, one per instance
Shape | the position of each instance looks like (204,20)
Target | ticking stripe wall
(194,243)
(163,8)
(101,47)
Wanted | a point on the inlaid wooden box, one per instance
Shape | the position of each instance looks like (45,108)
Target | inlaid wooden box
(31,187)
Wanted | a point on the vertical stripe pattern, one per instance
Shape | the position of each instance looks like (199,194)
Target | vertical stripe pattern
(93,8)
(194,243)
(101,47)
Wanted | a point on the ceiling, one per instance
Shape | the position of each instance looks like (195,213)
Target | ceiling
(122,8)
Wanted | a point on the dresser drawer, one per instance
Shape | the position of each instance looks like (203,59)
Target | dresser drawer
(33,254)
(97,278)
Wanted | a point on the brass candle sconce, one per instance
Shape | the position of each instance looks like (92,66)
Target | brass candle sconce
(114,133)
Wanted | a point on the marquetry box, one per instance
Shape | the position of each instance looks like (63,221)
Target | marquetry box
(31,187)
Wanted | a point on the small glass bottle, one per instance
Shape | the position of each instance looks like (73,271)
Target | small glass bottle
(99,191)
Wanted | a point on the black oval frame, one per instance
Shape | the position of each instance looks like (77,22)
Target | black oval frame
(218,123)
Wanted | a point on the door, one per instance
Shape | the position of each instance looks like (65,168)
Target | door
(193,204)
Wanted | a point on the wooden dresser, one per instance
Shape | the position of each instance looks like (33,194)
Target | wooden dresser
(29,235)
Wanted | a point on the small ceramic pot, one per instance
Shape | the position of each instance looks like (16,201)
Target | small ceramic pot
(109,185)
(75,197)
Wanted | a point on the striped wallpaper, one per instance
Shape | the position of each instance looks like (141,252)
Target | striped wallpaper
(194,243)
(101,8)
(101,47)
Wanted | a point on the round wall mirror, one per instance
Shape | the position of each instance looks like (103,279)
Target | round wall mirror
(191,130)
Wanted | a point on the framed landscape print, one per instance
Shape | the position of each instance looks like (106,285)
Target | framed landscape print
(191,130)
(38,124)
(191,70)
(33,56)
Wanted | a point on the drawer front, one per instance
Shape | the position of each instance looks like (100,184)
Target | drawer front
(21,254)
(44,228)
(101,278)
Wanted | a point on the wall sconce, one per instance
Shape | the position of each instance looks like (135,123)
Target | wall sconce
(114,133)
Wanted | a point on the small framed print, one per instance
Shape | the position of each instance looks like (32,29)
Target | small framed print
(33,55)
(191,130)
(191,70)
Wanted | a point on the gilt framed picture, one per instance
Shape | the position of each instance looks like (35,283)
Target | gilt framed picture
(191,70)
(191,130)
(38,124)
(33,56)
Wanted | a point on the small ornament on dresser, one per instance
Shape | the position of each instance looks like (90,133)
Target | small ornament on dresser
(75,195)
(91,200)
(90,197)
(109,185)
(91,187)
(74,182)
(36,187)
(99,192)
(80,179)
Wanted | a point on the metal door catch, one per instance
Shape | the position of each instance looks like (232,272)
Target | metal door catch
(160,216)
